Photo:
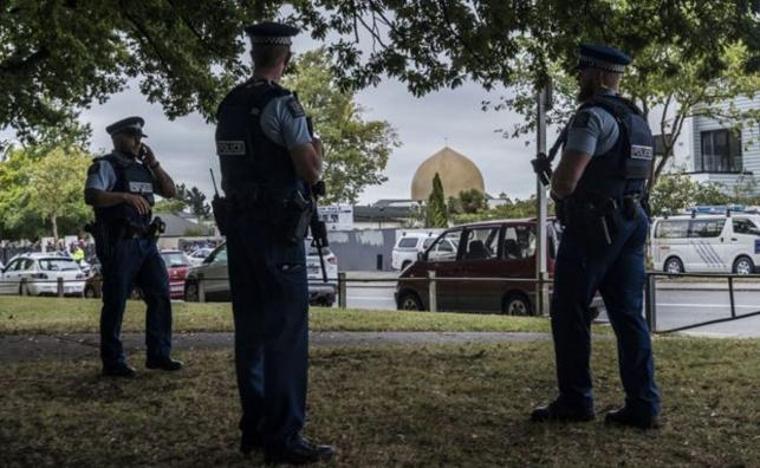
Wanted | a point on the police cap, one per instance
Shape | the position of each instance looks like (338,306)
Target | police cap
(132,125)
(270,33)
(602,57)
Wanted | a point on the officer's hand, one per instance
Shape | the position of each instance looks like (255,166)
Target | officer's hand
(146,155)
(139,203)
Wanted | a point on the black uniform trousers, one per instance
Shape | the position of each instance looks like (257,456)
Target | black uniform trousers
(270,304)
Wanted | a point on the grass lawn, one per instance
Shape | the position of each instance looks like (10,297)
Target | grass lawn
(35,315)
(389,406)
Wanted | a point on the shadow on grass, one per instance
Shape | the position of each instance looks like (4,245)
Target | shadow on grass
(389,406)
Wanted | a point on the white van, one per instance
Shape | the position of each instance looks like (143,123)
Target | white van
(409,244)
(707,243)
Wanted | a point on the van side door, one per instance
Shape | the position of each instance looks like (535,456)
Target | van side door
(708,243)
(479,258)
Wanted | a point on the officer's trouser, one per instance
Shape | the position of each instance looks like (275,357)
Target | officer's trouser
(125,264)
(270,304)
(617,272)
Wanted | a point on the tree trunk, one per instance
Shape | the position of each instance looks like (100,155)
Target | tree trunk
(54,221)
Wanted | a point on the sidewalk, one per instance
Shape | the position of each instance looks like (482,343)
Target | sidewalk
(16,348)
(721,285)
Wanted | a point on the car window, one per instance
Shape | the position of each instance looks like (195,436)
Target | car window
(56,264)
(13,265)
(408,243)
(175,259)
(481,243)
(220,256)
(745,226)
(427,242)
(445,248)
(672,229)
(519,242)
(706,227)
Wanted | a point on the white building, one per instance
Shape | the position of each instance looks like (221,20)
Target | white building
(710,151)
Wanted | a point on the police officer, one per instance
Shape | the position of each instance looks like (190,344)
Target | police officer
(120,187)
(269,161)
(599,186)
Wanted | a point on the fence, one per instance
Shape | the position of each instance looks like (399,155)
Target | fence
(650,299)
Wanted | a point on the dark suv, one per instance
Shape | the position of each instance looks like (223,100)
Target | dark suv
(491,249)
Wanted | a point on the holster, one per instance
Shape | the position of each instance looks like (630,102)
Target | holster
(598,222)
(295,217)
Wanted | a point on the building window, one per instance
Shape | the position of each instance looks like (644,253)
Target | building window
(721,152)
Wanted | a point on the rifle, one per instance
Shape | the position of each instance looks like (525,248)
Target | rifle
(318,227)
(542,165)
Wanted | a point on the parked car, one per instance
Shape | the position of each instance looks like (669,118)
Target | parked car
(41,272)
(177,266)
(707,243)
(217,285)
(493,249)
(410,244)
(197,257)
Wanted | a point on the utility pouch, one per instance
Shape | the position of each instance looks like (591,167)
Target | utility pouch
(295,218)
(220,206)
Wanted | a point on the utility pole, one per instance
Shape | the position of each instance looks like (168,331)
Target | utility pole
(543,102)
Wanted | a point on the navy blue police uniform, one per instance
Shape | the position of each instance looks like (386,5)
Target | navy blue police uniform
(267,207)
(602,249)
(125,243)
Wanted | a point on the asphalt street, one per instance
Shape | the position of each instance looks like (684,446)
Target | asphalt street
(675,307)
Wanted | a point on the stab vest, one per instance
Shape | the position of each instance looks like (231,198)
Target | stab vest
(131,177)
(249,159)
(624,169)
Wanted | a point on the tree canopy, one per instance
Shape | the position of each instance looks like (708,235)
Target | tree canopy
(355,151)
(59,56)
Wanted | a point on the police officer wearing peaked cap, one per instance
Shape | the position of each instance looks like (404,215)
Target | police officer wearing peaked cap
(120,187)
(269,161)
(600,189)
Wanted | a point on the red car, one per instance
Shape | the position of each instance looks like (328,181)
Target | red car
(177,266)
(491,249)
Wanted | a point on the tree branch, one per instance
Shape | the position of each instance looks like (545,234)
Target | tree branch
(16,65)
(146,35)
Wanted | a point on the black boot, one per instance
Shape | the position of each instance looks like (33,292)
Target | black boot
(626,416)
(167,364)
(556,411)
(299,451)
(119,370)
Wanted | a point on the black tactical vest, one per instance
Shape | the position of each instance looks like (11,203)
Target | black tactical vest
(624,169)
(249,159)
(131,177)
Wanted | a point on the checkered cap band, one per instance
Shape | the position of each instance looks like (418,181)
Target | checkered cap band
(271,40)
(592,62)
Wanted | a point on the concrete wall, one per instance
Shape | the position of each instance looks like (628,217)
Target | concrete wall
(359,250)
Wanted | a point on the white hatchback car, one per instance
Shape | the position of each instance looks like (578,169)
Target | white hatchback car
(40,273)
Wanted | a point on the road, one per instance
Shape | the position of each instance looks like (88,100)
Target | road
(675,307)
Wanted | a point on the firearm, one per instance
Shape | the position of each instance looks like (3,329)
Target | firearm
(317,226)
(542,165)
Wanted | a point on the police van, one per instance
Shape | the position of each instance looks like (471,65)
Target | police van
(704,242)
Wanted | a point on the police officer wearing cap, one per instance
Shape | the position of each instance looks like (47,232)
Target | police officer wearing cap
(269,161)
(120,187)
(600,189)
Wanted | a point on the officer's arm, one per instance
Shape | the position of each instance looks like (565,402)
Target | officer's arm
(583,135)
(102,199)
(569,172)
(307,161)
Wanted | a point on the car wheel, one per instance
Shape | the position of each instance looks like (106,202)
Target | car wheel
(673,265)
(409,301)
(191,292)
(743,266)
(89,292)
(517,304)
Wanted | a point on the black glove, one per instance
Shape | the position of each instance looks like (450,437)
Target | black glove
(543,169)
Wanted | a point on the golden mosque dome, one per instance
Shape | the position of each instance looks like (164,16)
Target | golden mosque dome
(458,173)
